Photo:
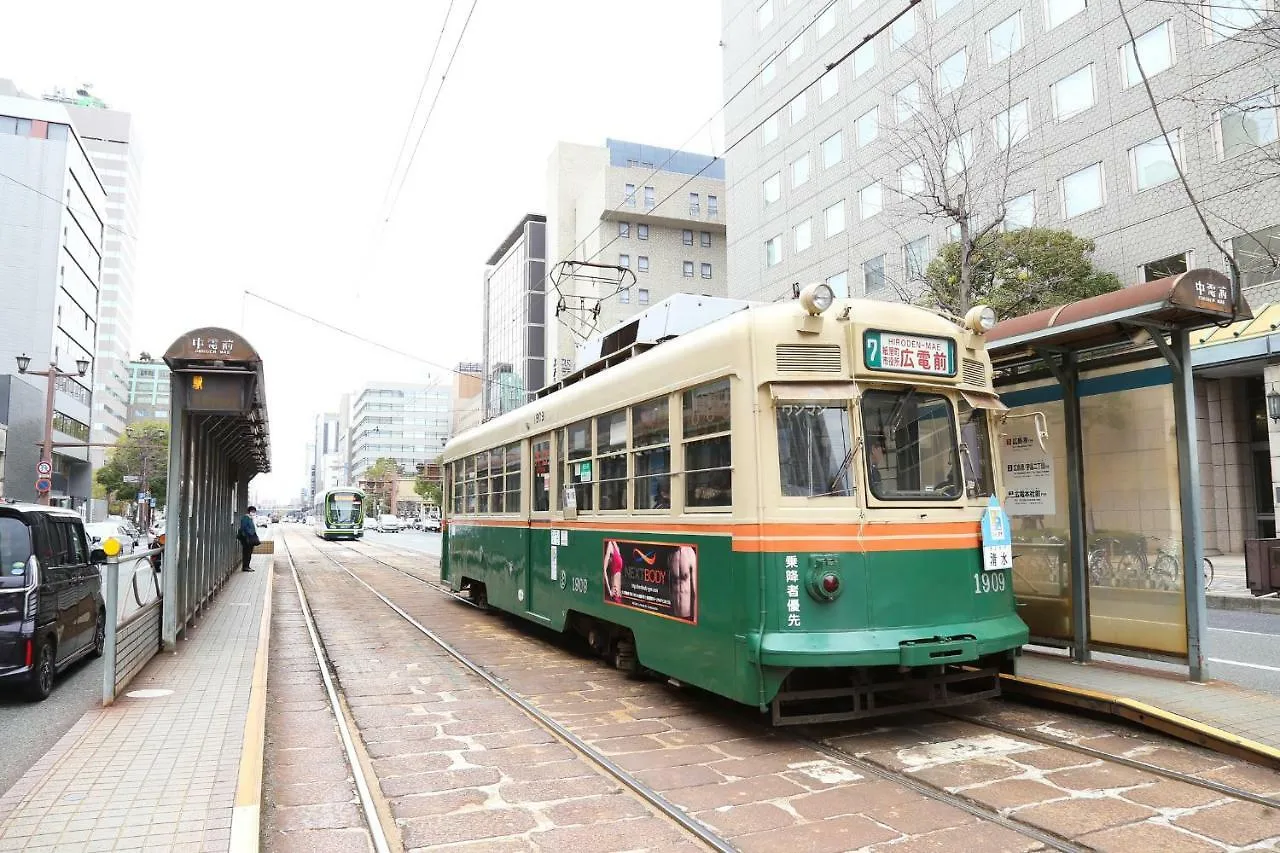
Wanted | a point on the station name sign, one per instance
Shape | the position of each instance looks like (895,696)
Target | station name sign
(901,353)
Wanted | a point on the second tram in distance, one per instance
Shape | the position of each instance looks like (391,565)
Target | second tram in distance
(339,514)
(782,507)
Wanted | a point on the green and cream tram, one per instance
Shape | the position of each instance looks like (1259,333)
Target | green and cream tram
(339,514)
(783,507)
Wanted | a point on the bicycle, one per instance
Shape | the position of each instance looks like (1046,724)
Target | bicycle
(1169,564)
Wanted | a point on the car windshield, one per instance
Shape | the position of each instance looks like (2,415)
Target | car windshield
(911,446)
(15,551)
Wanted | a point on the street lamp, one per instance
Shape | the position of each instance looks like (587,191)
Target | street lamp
(1273,405)
(45,469)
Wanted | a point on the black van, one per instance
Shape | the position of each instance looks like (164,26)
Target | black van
(51,608)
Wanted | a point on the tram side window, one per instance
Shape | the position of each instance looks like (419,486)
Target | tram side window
(496,487)
(707,453)
(578,471)
(458,483)
(975,449)
(511,499)
(911,446)
(472,499)
(815,448)
(542,475)
(482,481)
(651,454)
(611,461)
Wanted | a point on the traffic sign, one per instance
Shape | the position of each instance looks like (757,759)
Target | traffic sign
(43,484)
(44,468)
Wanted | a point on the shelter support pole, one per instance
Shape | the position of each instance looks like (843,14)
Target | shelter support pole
(1067,370)
(173,510)
(1189,502)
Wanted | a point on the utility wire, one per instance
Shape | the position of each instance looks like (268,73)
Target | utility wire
(62,203)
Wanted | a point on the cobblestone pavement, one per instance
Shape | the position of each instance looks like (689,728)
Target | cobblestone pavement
(454,761)
(765,791)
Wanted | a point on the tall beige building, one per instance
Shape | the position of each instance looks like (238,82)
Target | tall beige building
(657,214)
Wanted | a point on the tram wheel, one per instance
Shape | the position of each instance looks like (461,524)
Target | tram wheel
(624,658)
(478,594)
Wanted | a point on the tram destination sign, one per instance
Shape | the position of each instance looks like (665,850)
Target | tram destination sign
(902,353)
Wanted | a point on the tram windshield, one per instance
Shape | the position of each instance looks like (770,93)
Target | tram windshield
(343,508)
(912,452)
(815,448)
(975,450)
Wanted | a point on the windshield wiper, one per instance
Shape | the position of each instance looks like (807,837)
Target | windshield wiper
(844,466)
(895,419)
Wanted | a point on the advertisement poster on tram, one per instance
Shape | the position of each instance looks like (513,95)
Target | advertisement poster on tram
(656,577)
(1028,474)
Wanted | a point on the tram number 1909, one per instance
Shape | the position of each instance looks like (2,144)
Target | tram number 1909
(989,582)
(579,585)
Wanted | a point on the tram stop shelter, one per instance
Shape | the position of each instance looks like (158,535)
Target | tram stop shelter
(1100,470)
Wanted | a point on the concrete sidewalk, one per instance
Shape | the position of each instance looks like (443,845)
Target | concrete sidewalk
(1230,590)
(158,770)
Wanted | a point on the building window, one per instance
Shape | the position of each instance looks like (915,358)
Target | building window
(642,263)
(799,107)
(942,7)
(864,59)
(769,72)
(832,150)
(1165,267)
(773,251)
(624,296)
(839,284)
(870,200)
(953,233)
(695,204)
(1012,126)
(1154,51)
(834,218)
(651,454)
(706,270)
(713,206)
(827,21)
(802,235)
(624,261)
(649,197)
(704,237)
(772,188)
(1258,256)
(642,295)
(873,275)
(915,257)
(1072,94)
(952,70)
(624,229)
(1226,18)
(629,195)
(1082,191)
(1020,212)
(1057,11)
(769,130)
(708,460)
(795,50)
(1151,162)
(906,102)
(1247,125)
(800,171)
(902,30)
(688,269)
(911,178)
(867,126)
(959,154)
(642,231)
(1004,39)
(686,237)
(764,14)
(829,85)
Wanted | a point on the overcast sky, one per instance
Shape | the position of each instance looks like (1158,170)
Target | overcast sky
(269,131)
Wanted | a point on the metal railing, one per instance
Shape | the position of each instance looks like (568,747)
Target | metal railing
(133,619)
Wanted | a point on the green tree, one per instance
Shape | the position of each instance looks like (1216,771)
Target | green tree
(1017,273)
(428,490)
(378,483)
(142,456)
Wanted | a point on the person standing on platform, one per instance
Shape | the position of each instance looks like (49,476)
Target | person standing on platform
(247,533)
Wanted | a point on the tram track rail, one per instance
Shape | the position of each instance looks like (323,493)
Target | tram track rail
(610,768)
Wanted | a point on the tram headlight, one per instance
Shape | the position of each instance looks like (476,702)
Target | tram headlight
(980,319)
(817,298)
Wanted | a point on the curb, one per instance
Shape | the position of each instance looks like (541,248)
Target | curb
(1243,603)
(246,816)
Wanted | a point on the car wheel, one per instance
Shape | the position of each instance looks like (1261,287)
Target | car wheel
(41,683)
(100,632)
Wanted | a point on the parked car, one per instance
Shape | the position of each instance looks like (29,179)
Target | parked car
(51,608)
(100,531)
(388,524)
(370,523)
(432,524)
(263,521)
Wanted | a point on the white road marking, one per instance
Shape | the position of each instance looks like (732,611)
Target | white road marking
(1249,633)
(1242,663)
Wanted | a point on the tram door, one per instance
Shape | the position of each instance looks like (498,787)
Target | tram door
(540,564)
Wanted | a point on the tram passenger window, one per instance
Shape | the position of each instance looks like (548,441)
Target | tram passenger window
(473,501)
(707,457)
(975,449)
(542,475)
(651,454)
(911,446)
(482,481)
(511,499)
(578,471)
(611,461)
(459,483)
(815,449)
(496,488)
